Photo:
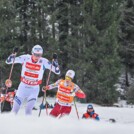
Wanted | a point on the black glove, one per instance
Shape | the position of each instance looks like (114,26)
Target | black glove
(55,56)
(55,60)
(42,106)
(15,50)
(55,63)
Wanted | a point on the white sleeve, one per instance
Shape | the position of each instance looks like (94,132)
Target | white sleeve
(48,65)
(19,59)
(55,85)
(76,88)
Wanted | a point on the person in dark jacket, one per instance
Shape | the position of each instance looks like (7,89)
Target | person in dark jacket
(90,114)
(6,99)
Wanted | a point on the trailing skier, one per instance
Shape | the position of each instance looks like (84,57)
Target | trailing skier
(67,90)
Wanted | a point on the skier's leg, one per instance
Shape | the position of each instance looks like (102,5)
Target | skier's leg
(31,100)
(20,96)
(55,111)
(65,110)
(17,103)
(30,104)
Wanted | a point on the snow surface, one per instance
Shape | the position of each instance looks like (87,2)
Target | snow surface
(21,124)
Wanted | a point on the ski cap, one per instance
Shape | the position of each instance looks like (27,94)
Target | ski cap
(37,49)
(70,73)
(90,106)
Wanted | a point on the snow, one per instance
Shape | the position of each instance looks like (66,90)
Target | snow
(21,124)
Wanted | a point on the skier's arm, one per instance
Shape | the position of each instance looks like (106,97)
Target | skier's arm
(78,92)
(97,117)
(54,67)
(19,59)
(52,86)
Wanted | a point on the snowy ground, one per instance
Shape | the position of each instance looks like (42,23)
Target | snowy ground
(21,124)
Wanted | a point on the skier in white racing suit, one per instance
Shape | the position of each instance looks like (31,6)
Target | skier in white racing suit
(33,67)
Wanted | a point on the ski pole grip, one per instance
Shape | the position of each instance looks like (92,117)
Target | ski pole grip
(55,56)
(15,50)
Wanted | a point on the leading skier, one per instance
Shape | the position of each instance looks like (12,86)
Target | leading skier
(33,67)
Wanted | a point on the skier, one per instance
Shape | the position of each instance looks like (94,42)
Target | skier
(90,113)
(33,67)
(6,99)
(65,94)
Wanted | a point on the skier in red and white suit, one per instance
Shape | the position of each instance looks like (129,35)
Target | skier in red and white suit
(65,94)
(33,67)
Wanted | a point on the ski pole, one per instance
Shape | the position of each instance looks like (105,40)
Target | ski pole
(76,109)
(10,74)
(44,96)
(15,50)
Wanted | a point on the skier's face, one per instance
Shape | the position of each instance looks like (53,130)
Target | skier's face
(68,79)
(36,57)
(90,110)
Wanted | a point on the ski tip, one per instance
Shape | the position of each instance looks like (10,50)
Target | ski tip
(112,120)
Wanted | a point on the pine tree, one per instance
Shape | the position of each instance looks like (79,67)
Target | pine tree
(82,32)
(8,35)
(98,60)
(24,23)
(126,38)
(127,47)
(102,50)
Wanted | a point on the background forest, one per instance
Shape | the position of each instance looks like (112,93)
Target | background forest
(95,38)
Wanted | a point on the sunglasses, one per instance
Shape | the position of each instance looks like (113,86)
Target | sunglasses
(90,109)
(68,78)
(37,55)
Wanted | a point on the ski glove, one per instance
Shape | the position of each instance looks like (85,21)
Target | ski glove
(55,60)
(55,63)
(72,93)
(8,83)
(55,56)
(10,58)
(44,88)
(42,106)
